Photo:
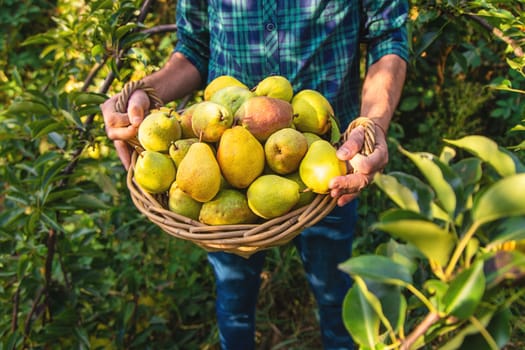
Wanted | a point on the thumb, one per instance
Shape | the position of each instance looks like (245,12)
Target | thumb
(138,104)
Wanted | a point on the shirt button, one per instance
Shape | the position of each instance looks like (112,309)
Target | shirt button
(270,27)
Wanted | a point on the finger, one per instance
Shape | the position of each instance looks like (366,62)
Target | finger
(122,133)
(370,164)
(347,198)
(124,153)
(348,184)
(353,144)
(138,104)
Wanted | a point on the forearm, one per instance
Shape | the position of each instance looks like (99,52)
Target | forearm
(382,89)
(177,78)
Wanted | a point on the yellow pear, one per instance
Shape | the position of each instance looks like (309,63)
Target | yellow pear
(181,203)
(284,150)
(240,157)
(319,165)
(179,148)
(154,171)
(275,86)
(210,120)
(312,112)
(220,82)
(228,207)
(263,115)
(158,130)
(199,174)
(270,196)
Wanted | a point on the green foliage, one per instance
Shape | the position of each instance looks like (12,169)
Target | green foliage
(467,244)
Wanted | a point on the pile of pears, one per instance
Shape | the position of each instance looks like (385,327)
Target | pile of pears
(241,155)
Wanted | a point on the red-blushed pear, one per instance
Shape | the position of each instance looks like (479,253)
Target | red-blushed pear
(284,150)
(263,115)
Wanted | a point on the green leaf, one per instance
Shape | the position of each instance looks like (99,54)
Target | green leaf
(28,107)
(429,165)
(88,98)
(335,131)
(359,317)
(465,292)
(88,202)
(488,151)
(433,241)
(399,194)
(502,199)
(378,268)
(512,229)
(499,329)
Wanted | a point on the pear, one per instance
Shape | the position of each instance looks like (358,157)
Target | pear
(199,174)
(229,207)
(179,148)
(240,156)
(220,82)
(312,112)
(154,171)
(284,150)
(270,196)
(158,130)
(232,97)
(306,196)
(319,165)
(263,115)
(210,120)
(275,86)
(311,137)
(181,203)
(184,119)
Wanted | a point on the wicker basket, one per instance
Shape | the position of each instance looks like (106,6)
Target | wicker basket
(245,239)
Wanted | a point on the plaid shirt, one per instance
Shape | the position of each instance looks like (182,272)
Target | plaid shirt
(314,43)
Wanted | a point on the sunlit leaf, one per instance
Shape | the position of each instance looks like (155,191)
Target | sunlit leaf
(401,195)
(432,240)
(504,198)
(359,317)
(465,292)
(488,151)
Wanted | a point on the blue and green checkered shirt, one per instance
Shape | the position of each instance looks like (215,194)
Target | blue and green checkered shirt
(314,43)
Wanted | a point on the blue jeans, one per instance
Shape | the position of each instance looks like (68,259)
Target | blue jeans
(321,248)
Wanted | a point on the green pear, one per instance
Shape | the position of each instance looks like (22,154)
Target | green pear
(232,97)
(311,137)
(263,115)
(306,196)
(179,148)
(220,82)
(181,203)
(199,174)
(185,118)
(154,171)
(275,86)
(319,165)
(158,130)
(210,120)
(284,150)
(240,156)
(312,112)
(228,207)
(270,196)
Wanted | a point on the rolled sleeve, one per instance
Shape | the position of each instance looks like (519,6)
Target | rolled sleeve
(193,34)
(384,29)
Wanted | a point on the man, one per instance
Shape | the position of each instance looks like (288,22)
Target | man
(316,45)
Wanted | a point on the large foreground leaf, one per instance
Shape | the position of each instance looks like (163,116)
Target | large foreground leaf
(378,268)
(503,199)
(359,317)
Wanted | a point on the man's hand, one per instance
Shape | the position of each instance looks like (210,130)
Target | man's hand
(362,168)
(121,127)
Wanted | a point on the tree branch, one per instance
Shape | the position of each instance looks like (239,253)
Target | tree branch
(429,320)
(518,51)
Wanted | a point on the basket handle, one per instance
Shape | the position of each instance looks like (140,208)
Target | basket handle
(123,98)
(370,133)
